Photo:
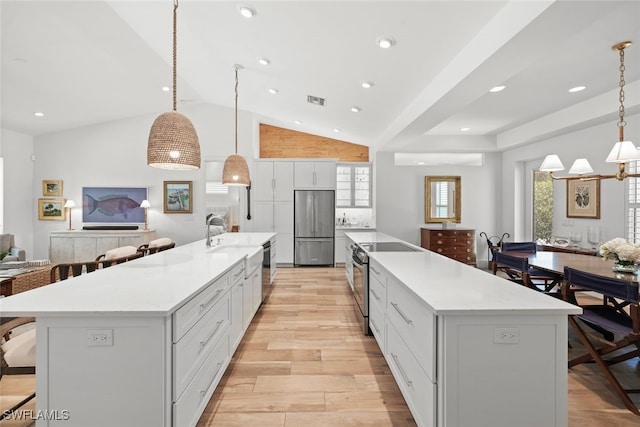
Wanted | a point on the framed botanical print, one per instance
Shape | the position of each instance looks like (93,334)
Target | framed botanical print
(51,209)
(178,197)
(583,198)
(52,188)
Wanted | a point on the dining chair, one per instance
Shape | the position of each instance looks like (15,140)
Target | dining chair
(518,270)
(63,271)
(157,245)
(543,280)
(618,312)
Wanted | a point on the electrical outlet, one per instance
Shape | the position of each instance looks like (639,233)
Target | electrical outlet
(99,337)
(506,335)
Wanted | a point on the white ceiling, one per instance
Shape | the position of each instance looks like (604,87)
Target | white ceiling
(86,62)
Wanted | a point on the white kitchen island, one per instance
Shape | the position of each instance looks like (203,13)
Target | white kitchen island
(468,348)
(142,343)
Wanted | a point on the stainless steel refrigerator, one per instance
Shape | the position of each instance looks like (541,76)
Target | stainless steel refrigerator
(314,227)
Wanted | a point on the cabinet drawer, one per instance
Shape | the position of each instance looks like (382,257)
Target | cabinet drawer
(417,389)
(377,291)
(187,315)
(236,274)
(377,323)
(452,241)
(415,323)
(377,271)
(197,344)
(188,409)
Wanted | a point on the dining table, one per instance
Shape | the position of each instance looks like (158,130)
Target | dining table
(555,262)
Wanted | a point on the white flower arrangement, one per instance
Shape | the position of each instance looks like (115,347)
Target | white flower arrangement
(620,249)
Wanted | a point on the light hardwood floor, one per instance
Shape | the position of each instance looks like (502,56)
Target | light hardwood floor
(304,362)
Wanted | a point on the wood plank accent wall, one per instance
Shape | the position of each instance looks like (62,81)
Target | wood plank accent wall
(283,143)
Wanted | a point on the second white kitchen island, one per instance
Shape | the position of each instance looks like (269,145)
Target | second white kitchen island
(467,348)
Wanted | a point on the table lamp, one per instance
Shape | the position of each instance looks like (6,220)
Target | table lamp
(146,205)
(68,205)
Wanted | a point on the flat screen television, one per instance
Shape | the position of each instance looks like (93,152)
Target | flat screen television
(113,205)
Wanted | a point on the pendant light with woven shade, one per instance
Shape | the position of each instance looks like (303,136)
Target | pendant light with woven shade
(173,141)
(236,171)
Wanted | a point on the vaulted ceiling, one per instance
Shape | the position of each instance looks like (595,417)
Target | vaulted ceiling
(86,62)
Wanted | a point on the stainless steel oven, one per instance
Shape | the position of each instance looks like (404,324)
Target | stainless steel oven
(266,270)
(360,263)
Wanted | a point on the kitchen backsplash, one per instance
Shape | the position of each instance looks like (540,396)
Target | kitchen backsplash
(355,218)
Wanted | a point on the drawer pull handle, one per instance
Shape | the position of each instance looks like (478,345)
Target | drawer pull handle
(405,318)
(204,305)
(204,392)
(373,323)
(404,376)
(374,270)
(204,343)
(374,294)
(439,250)
(238,273)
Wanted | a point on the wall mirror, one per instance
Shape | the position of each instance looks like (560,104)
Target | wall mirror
(442,195)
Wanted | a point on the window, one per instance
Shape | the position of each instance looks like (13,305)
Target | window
(542,205)
(353,185)
(633,225)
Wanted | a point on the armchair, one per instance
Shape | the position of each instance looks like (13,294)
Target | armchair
(8,247)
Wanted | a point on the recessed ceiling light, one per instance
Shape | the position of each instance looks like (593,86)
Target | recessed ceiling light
(366,85)
(264,61)
(247,11)
(577,89)
(498,88)
(297,122)
(273,91)
(166,88)
(336,130)
(420,163)
(464,129)
(385,42)
(355,109)
(38,114)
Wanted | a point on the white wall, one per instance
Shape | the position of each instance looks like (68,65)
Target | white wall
(400,198)
(593,143)
(19,188)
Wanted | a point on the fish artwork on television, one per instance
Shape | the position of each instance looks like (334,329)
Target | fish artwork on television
(113,205)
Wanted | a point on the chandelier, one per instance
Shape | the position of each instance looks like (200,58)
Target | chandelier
(622,152)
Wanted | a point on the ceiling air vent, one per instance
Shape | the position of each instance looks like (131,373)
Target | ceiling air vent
(315,100)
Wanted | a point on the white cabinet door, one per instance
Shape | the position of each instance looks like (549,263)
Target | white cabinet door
(263,217)
(325,175)
(283,217)
(283,181)
(262,182)
(304,175)
(235,333)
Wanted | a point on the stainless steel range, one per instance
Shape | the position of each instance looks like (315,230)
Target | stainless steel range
(360,261)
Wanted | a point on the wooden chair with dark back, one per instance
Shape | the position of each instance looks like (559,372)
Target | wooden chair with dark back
(518,270)
(150,250)
(541,280)
(104,263)
(619,312)
(63,271)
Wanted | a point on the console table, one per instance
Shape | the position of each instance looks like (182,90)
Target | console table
(84,245)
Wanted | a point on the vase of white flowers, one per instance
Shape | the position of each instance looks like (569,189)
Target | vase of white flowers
(626,255)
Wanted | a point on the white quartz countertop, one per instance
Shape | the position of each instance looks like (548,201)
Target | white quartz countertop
(453,288)
(149,286)
(370,236)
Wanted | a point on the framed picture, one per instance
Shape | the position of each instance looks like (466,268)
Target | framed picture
(583,198)
(178,197)
(52,188)
(51,209)
(119,205)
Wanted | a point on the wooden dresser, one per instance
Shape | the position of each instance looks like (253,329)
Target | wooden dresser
(457,243)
